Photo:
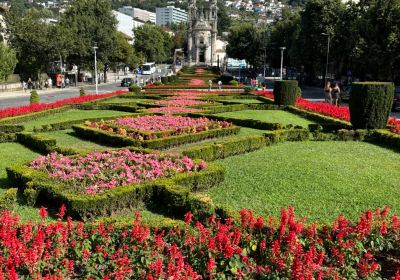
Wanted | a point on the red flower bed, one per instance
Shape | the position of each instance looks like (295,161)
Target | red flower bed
(196,82)
(394,125)
(21,110)
(283,248)
(326,109)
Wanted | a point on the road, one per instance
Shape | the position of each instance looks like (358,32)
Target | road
(20,98)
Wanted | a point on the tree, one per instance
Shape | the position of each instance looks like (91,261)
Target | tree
(90,23)
(245,42)
(224,21)
(153,43)
(32,38)
(8,61)
(124,52)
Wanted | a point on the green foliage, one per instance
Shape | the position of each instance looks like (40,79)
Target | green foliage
(8,61)
(11,128)
(246,122)
(287,135)
(234,83)
(8,199)
(82,91)
(135,89)
(124,53)
(36,142)
(286,92)
(385,138)
(370,104)
(153,43)
(245,42)
(157,83)
(247,90)
(225,148)
(34,98)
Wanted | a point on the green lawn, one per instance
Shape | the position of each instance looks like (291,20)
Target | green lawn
(13,153)
(70,116)
(272,116)
(320,179)
(69,139)
(245,101)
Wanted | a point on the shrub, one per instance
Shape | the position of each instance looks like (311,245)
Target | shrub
(82,91)
(370,104)
(286,92)
(234,83)
(34,99)
(169,79)
(8,199)
(225,79)
(164,80)
(134,88)
(247,90)
(157,83)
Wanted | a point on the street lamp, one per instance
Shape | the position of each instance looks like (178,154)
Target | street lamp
(282,50)
(95,66)
(327,55)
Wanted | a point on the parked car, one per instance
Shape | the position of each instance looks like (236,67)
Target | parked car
(396,100)
(126,82)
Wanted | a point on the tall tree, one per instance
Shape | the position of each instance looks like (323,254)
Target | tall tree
(245,42)
(8,61)
(90,23)
(124,53)
(224,21)
(153,43)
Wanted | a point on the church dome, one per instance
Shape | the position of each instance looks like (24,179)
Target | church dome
(202,25)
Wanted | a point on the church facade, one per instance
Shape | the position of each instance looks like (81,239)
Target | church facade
(202,33)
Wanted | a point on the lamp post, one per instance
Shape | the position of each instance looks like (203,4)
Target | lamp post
(95,66)
(282,50)
(327,55)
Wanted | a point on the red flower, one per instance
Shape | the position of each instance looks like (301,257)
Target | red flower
(188,217)
(43,213)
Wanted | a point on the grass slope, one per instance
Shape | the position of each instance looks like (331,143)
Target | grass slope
(273,116)
(71,115)
(320,179)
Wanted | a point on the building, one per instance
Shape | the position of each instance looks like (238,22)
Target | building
(125,25)
(170,15)
(139,14)
(202,33)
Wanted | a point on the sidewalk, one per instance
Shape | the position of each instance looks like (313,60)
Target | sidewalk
(19,93)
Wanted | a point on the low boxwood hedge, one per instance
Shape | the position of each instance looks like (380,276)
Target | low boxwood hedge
(226,148)
(11,128)
(7,137)
(117,140)
(52,193)
(287,135)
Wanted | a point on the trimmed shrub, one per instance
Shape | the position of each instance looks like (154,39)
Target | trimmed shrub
(286,92)
(169,79)
(225,79)
(164,80)
(34,97)
(8,199)
(234,83)
(82,91)
(247,90)
(157,83)
(370,104)
(134,88)
(287,135)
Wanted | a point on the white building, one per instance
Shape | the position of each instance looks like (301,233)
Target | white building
(125,25)
(136,13)
(169,15)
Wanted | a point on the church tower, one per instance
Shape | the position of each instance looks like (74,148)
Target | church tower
(202,32)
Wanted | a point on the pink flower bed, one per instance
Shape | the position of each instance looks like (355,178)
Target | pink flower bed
(145,128)
(180,102)
(97,172)
(196,82)
(21,110)
(163,123)
(200,70)
(173,110)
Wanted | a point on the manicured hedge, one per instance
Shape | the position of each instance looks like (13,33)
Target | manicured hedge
(52,193)
(116,140)
(385,138)
(257,124)
(8,199)
(226,108)
(370,104)
(286,92)
(11,128)
(287,135)
(7,137)
(172,141)
(226,148)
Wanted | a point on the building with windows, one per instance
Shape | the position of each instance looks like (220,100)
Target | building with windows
(138,14)
(170,15)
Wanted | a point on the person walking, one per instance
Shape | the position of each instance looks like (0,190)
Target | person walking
(335,94)
(328,92)
(30,83)
(209,85)
(24,86)
(67,82)
(219,85)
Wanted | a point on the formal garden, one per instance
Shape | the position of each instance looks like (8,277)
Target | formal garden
(179,181)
